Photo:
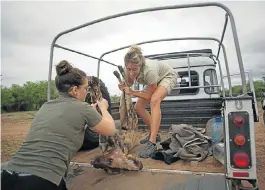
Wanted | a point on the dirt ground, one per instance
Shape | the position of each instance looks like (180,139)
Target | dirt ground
(15,126)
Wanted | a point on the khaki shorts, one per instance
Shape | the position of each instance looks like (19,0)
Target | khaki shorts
(168,83)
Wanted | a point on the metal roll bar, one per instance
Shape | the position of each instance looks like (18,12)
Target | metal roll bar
(179,39)
(208,4)
(84,54)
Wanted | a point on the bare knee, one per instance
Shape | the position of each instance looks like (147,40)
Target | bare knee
(155,102)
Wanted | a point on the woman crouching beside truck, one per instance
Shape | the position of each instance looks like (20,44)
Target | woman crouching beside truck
(159,79)
(56,135)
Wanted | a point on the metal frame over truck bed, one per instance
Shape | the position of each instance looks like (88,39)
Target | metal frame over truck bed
(232,106)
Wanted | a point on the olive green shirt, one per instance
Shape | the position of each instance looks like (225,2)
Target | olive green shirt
(56,135)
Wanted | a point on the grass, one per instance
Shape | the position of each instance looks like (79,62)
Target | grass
(8,148)
(20,115)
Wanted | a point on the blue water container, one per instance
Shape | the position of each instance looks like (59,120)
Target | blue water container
(217,129)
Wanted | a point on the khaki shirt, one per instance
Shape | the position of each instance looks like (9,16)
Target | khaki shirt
(56,135)
(154,71)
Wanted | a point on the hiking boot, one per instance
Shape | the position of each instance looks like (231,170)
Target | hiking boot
(146,139)
(148,150)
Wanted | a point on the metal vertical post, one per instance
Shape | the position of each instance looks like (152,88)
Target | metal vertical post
(238,52)
(227,71)
(50,72)
(252,89)
(188,56)
(223,34)
(221,74)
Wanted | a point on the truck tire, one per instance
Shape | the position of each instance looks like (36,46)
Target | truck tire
(91,138)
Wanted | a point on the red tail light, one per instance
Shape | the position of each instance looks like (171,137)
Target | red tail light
(239,121)
(240,140)
(241,159)
(239,137)
(240,174)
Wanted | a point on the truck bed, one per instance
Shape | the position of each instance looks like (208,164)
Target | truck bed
(156,174)
(94,179)
(207,165)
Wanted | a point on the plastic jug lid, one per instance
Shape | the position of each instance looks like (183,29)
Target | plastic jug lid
(218,119)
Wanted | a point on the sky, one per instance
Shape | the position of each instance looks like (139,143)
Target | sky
(29,27)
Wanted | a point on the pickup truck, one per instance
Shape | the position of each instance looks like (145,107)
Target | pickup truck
(200,95)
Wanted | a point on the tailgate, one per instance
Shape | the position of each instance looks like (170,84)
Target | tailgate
(84,177)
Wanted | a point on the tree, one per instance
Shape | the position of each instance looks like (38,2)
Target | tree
(259,88)
(32,95)
(29,96)
(115,98)
(7,96)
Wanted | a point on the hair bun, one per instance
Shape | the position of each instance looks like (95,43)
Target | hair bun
(63,68)
(136,49)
